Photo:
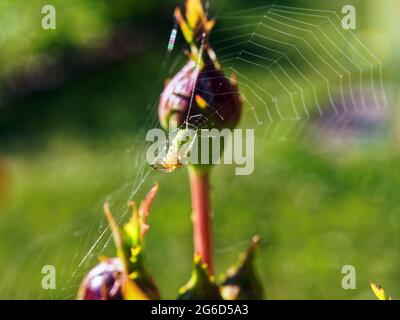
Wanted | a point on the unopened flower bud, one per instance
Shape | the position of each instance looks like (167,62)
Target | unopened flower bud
(199,95)
(103,282)
(201,285)
(127,276)
(241,282)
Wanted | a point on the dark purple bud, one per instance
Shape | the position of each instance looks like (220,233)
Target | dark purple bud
(203,98)
(103,282)
(199,94)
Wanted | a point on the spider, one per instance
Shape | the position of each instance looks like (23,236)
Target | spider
(176,154)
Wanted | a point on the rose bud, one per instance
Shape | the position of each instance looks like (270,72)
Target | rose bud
(103,282)
(241,282)
(127,276)
(201,285)
(199,95)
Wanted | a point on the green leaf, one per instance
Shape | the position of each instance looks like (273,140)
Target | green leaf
(379,292)
(194,24)
(186,30)
(194,13)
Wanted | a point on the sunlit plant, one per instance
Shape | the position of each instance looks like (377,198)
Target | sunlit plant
(199,96)
(125,276)
(379,292)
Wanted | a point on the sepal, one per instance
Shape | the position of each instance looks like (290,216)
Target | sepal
(241,282)
(201,285)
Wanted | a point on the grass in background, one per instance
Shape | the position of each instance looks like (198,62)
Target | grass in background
(316,210)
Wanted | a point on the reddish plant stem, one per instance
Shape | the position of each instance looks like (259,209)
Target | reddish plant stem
(201,216)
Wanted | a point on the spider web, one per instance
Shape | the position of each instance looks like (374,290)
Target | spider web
(296,68)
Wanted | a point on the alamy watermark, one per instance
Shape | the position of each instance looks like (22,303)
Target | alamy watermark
(349,20)
(49,277)
(201,146)
(349,280)
(49,20)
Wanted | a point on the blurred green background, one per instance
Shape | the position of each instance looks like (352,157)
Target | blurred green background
(76,102)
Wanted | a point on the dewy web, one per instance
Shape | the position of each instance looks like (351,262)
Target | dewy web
(294,67)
